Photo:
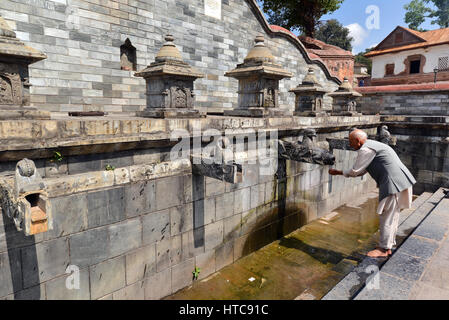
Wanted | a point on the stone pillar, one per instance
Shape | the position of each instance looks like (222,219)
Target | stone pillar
(345,100)
(309,97)
(169,82)
(258,78)
(15,58)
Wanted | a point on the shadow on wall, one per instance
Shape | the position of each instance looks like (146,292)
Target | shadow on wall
(21,276)
(198,185)
(278,220)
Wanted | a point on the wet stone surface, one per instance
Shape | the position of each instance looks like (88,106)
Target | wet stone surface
(304,265)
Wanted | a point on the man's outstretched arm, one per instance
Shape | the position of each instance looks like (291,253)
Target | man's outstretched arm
(364,158)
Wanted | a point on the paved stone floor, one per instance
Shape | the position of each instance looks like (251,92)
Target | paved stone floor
(304,265)
(419,269)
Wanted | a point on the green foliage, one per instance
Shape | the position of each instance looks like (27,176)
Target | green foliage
(196,273)
(109,167)
(298,15)
(419,10)
(334,33)
(57,156)
(360,58)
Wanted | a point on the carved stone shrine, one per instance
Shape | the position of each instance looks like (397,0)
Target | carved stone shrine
(15,57)
(309,97)
(259,80)
(344,100)
(169,82)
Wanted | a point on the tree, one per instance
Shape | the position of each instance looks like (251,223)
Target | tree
(360,58)
(333,32)
(299,15)
(419,10)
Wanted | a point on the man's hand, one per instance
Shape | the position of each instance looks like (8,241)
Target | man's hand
(334,172)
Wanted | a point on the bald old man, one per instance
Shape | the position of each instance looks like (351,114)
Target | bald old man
(393,179)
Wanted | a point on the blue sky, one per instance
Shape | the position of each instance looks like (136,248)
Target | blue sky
(352,14)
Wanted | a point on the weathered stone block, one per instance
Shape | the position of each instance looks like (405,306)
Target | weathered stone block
(140,264)
(135,291)
(206,262)
(242,200)
(89,247)
(105,207)
(181,219)
(156,226)
(125,236)
(169,192)
(69,215)
(182,274)
(176,250)
(140,198)
(44,261)
(57,289)
(213,235)
(107,277)
(159,285)
(224,255)
(163,254)
(223,207)
(10,272)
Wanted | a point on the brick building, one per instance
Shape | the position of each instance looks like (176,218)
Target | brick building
(407,56)
(340,62)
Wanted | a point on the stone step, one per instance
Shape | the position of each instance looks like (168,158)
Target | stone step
(404,276)
(410,219)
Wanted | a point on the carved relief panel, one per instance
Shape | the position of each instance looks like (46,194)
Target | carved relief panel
(10,85)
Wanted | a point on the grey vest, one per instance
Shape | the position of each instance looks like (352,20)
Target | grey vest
(390,174)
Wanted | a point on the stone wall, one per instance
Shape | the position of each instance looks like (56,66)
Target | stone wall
(139,231)
(425,99)
(423,146)
(82,40)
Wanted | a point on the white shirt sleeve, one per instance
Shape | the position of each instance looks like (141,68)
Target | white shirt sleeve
(365,156)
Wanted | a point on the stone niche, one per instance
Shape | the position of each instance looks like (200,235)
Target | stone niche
(259,80)
(345,100)
(15,57)
(309,97)
(169,82)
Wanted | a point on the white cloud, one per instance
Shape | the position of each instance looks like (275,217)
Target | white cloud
(358,33)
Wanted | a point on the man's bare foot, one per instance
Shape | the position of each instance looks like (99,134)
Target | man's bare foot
(379,253)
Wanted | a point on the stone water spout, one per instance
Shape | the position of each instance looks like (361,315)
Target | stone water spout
(308,150)
(219,163)
(25,200)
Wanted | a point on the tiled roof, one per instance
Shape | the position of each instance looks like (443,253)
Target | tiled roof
(430,38)
(323,49)
(404,87)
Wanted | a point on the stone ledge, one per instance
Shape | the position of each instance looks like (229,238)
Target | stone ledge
(71,131)
(71,184)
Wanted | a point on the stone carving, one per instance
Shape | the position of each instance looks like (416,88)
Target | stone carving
(14,82)
(309,97)
(258,78)
(26,201)
(219,164)
(385,136)
(170,85)
(344,100)
(10,85)
(306,151)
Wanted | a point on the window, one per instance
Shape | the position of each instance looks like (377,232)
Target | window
(128,58)
(389,69)
(415,66)
(443,63)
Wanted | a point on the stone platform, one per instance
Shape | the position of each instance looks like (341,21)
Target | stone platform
(418,267)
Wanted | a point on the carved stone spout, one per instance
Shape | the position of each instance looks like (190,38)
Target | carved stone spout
(218,164)
(25,200)
(306,151)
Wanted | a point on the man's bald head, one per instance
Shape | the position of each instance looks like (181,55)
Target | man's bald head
(357,138)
